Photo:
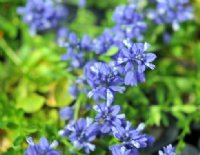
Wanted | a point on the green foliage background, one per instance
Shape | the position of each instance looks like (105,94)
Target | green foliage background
(34,82)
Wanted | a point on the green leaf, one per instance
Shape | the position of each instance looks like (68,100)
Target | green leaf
(18,140)
(112,51)
(154,115)
(189,108)
(31,103)
(104,58)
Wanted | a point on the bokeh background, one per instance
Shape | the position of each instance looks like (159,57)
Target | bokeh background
(34,82)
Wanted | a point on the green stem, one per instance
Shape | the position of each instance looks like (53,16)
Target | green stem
(9,52)
(77,106)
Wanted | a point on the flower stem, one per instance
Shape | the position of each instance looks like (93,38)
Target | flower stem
(77,106)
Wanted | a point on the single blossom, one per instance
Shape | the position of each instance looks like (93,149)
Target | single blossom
(104,81)
(121,150)
(108,116)
(62,35)
(133,61)
(168,150)
(67,113)
(43,147)
(82,133)
(76,49)
(131,139)
(104,42)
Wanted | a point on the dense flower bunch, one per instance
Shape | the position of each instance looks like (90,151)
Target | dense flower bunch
(42,15)
(104,80)
(43,147)
(172,12)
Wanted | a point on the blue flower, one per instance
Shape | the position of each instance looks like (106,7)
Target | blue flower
(121,150)
(78,87)
(131,139)
(67,130)
(104,81)
(43,147)
(133,61)
(102,43)
(108,116)
(62,35)
(129,21)
(67,113)
(82,133)
(74,90)
(76,50)
(42,15)
(168,150)
(171,11)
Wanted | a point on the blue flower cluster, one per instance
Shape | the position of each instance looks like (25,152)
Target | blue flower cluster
(129,22)
(127,68)
(129,25)
(43,147)
(107,121)
(105,80)
(84,131)
(42,15)
(172,12)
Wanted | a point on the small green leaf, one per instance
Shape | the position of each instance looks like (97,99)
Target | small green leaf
(104,58)
(155,115)
(112,51)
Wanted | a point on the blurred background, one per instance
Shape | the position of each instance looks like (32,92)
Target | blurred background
(34,82)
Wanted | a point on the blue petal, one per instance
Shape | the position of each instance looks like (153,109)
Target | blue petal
(130,79)
(43,144)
